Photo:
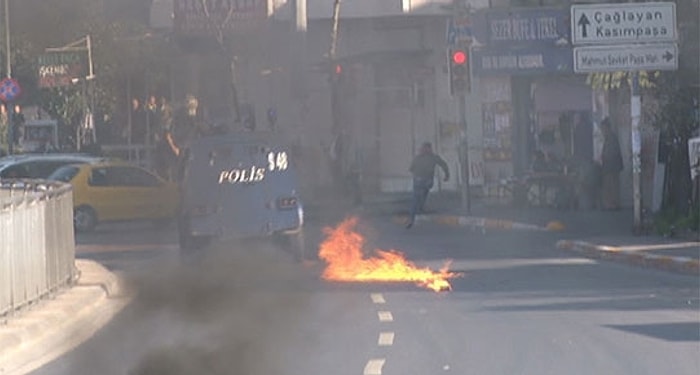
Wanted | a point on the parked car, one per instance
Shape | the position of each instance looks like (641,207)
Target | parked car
(110,191)
(39,165)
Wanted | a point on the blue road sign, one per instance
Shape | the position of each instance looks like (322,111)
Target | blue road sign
(9,90)
(459,31)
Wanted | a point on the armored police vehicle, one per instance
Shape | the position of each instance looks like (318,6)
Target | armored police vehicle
(239,185)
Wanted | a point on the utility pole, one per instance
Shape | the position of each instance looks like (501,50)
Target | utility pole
(332,66)
(8,60)
(466,201)
(460,86)
(333,77)
(8,72)
(299,55)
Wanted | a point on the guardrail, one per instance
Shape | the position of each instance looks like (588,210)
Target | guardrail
(37,244)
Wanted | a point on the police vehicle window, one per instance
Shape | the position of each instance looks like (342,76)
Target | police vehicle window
(64,174)
(98,177)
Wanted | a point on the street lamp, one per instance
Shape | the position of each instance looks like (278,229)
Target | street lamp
(8,61)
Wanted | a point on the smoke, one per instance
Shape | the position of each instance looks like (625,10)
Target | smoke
(237,310)
(238,307)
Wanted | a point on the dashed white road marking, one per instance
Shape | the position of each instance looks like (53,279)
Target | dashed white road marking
(377,298)
(374,367)
(385,316)
(386,339)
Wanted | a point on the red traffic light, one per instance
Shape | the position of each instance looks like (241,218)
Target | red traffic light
(459,57)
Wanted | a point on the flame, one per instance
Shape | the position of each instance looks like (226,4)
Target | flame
(342,252)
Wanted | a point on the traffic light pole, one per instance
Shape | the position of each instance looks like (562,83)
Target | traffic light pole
(466,200)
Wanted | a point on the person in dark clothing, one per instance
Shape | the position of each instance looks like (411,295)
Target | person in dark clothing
(165,154)
(188,124)
(423,170)
(611,167)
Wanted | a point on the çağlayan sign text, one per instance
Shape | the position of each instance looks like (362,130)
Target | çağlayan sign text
(623,23)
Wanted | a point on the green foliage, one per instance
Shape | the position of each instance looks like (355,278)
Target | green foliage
(677,108)
(670,222)
(121,48)
(613,81)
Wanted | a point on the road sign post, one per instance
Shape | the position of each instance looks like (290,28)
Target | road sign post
(459,39)
(626,37)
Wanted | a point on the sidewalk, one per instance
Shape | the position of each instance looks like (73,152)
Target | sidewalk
(40,333)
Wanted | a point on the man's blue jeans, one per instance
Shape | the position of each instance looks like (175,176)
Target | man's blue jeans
(421,187)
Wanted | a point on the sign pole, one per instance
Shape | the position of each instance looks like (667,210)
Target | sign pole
(466,201)
(635,114)
(8,71)
(8,60)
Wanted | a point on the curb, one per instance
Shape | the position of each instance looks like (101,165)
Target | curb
(55,326)
(683,265)
(482,223)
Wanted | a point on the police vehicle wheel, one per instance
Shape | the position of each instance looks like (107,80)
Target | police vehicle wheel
(186,240)
(297,244)
(84,219)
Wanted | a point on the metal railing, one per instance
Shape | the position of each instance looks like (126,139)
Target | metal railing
(37,244)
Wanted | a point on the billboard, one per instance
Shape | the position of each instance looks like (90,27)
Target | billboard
(58,69)
(522,61)
(197,17)
(516,27)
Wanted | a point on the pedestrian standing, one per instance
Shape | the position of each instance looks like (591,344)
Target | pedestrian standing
(611,167)
(423,170)
(165,155)
(188,124)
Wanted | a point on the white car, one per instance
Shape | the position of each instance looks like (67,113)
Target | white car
(39,165)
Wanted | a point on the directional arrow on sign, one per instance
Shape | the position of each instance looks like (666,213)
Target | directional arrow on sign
(584,22)
(668,56)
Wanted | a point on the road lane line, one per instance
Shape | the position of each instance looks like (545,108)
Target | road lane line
(386,339)
(385,316)
(377,298)
(374,366)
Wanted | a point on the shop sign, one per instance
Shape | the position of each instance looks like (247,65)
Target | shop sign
(548,26)
(58,69)
(543,60)
(196,17)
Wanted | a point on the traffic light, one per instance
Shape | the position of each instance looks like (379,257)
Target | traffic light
(336,73)
(460,82)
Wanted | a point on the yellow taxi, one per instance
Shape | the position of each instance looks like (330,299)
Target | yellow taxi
(108,191)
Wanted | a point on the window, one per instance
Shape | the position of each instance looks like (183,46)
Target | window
(98,177)
(131,176)
(44,168)
(15,171)
(65,174)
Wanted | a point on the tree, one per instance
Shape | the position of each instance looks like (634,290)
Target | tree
(677,118)
(121,47)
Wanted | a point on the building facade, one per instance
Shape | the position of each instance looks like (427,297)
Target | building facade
(391,76)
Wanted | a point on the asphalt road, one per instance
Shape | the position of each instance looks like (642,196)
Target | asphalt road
(521,307)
